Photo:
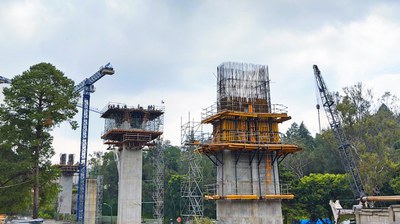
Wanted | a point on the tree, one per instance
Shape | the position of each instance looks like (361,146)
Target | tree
(355,104)
(301,162)
(373,129)
(15,181)
(38,100)
(313,193)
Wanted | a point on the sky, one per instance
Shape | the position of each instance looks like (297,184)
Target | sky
(169,51)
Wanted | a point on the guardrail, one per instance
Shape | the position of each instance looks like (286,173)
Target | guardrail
(111,105)
(212,189)
(247,137)
(215,108)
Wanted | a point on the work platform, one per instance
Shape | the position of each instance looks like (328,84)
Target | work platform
(135,126)
(68,169)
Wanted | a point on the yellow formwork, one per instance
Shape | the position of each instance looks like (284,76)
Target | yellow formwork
(277,117)
(250,197)
(242,127)
(281,149)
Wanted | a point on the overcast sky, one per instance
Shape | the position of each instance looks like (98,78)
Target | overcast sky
(169,50)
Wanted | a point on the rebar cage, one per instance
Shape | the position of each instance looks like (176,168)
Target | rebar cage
(241,85)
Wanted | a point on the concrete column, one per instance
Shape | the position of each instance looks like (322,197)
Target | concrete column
(255,178)
(90,201)
(65,196)
(130,186)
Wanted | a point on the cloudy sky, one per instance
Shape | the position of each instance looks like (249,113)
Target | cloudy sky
(169,50)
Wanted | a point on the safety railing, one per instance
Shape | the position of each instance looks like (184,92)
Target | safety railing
(112,105)
(245,188)
(137,137)
(247,137)
(254,108)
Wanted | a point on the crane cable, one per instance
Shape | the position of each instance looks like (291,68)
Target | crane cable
(318,105)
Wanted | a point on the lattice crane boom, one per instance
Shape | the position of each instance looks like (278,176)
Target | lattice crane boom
(5,80)
(87,87)
(345,148)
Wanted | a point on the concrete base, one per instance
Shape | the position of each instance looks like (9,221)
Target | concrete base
(129,186)
(239,176)
(244,212)
(390,215)
(90,201)
(65,195)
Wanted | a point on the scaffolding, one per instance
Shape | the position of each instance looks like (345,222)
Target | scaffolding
(158,181)
(245,135)
(192,136)
(99,199)
(134,126)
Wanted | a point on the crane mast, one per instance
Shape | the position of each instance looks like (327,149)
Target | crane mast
(87,87)
(345,148)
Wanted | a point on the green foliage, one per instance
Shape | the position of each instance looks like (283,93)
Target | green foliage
(108,169)
(396,145)
(372,127)
(36,101)
(173,196)
(201,221)
(313,193)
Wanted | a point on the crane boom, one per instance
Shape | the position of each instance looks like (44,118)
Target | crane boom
(87,87)
(345,148)
(4,80)
(104,70)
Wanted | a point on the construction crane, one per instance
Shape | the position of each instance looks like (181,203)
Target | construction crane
(87,87)
(345,148)
(4,80)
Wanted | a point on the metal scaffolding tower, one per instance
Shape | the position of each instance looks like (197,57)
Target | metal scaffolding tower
(192,188)
(99,199)
(158,181)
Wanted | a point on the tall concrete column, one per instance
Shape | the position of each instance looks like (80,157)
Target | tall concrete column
(91,201)
(130,185)
(66,180)
(65,195)
(238,176)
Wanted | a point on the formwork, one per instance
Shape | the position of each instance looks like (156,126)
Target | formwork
(246,146)
(131,126)
(127,130)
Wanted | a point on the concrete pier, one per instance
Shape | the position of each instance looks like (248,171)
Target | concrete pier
(91,201)
(67,172)
(65,195)
(130,185)
(127,131)
(238,176)
(246,146)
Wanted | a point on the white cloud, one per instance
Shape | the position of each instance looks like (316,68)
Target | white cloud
(169,51)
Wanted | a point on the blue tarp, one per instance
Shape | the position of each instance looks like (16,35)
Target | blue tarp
(317,222)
